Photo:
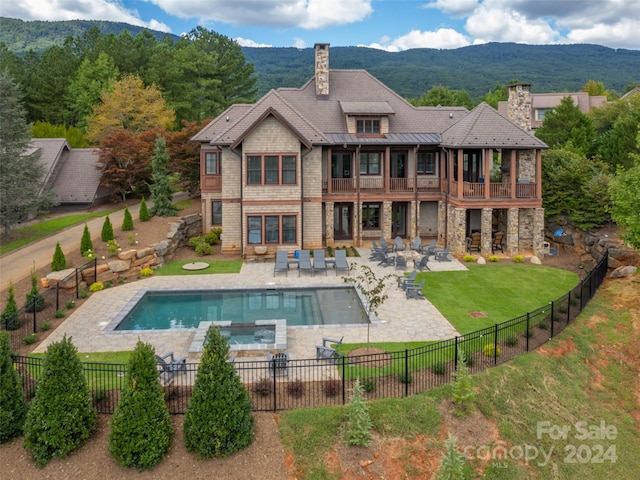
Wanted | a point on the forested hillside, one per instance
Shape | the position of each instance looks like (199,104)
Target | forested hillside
(476,69)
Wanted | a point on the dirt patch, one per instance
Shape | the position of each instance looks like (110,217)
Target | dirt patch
(478,314)
(560,350)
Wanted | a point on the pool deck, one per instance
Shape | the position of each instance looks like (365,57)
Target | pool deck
(401,319)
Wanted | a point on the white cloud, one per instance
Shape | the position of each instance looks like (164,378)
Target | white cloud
(624,34)
(456,8)
(441,38)
(307,14)
(53,10)
(299,43)
(245,42)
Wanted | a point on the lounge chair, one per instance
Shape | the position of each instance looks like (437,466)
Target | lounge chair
(169,367)
(422,263)
(384,246)
(443,256)
(403,281)
(430,249)
(304,262)
(398,244)
(473,243)
(341,262)
(278,364)
(386,261)
(319,262)
(326,352)
(497,243)
(282,263)
(401,263)
(413,291)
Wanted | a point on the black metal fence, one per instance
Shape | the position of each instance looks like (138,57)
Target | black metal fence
(36,316)
(313,383)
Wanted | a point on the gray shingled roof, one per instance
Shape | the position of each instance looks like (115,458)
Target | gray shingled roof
(78,178)
(484,127)
(51,150)
(366,108)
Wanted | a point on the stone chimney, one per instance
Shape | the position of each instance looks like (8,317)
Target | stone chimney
(322,69)
(519,105)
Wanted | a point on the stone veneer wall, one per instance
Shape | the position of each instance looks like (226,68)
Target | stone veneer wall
(519,105)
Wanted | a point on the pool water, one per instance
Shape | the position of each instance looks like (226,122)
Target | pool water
(161,310)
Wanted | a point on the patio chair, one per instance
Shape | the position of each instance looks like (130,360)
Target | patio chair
(403,281)
(282,263)
(326,352)
(422,263)
(398,244)
(341,262)
(384,246)
(304,262)
(327,342)
(416,244)
(430,249)
(319,262)
(401,263)
(473,243)
(386,261)
(278,364)
(169,367)
(413,291)
(443,256)
(498,242)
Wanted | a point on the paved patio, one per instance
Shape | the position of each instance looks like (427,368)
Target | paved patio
(401,319)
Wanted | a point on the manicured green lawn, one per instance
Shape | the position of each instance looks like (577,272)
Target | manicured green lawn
(215,266)
(501,292)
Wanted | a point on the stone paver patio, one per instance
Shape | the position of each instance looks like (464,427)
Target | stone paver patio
(401,319)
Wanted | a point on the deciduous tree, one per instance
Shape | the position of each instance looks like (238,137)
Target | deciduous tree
(185,155)
(624,189)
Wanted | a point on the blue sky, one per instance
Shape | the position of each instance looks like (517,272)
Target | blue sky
(392,25)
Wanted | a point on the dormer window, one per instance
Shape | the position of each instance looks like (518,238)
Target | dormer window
(368,127)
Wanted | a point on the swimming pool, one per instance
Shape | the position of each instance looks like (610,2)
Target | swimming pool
(163,310)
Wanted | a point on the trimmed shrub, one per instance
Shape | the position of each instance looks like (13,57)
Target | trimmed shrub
(44,326)
(491,350)
(59,262)
(13,406)
(35,300)
(146,272)
(143,214)
(59,313)
(30,339)
(96,287)
(10,317)
(213,237)
(543,324)
(368,385)
(141,427)
(86,244)
(127,221)
(494,259)
(358,429)
(439,368)
(512,340)
(263,387)
(296,388)
(469,258)
(203,248)
(107,230)
(70,305)
(518,259)
(60,416)
(218,420)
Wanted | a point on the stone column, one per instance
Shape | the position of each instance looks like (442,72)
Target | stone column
(442,221)
(414,219)
(328,224)
(387,220)
(538,230)
(356,228)
(512,231)
(457,229)
(486,238)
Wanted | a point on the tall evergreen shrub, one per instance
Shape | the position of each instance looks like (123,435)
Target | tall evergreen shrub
(59,261)
(218,420)
(161,191)
(60,416)
(144,214)
(141,427)
(35,300)
(127,221)
(85,243)
(10,317)
(13,406)
(107,230)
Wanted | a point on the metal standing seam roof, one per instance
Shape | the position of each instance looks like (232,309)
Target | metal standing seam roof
(394,138)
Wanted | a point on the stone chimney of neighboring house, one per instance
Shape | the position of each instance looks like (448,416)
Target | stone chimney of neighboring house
(519,105)
(322,69)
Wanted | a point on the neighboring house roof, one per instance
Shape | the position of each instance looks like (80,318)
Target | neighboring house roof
(484,127)
(631,92)
(70,173)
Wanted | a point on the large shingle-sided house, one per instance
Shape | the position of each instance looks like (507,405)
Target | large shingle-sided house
(345,160)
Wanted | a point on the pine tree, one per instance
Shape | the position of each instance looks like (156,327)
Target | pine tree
(10,317)
(454,464)
(35,300)
(107,230)
(218,420)
(463,391)
(21,173)
(144,214)
(127,221)
(161,192)
(85,243)
(60,416)
(13,406)
(141,427)
(59,261)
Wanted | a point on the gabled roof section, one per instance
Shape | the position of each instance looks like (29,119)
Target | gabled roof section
(79,178)
(484,127)
(51,150)
(235,124)
(366,108)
